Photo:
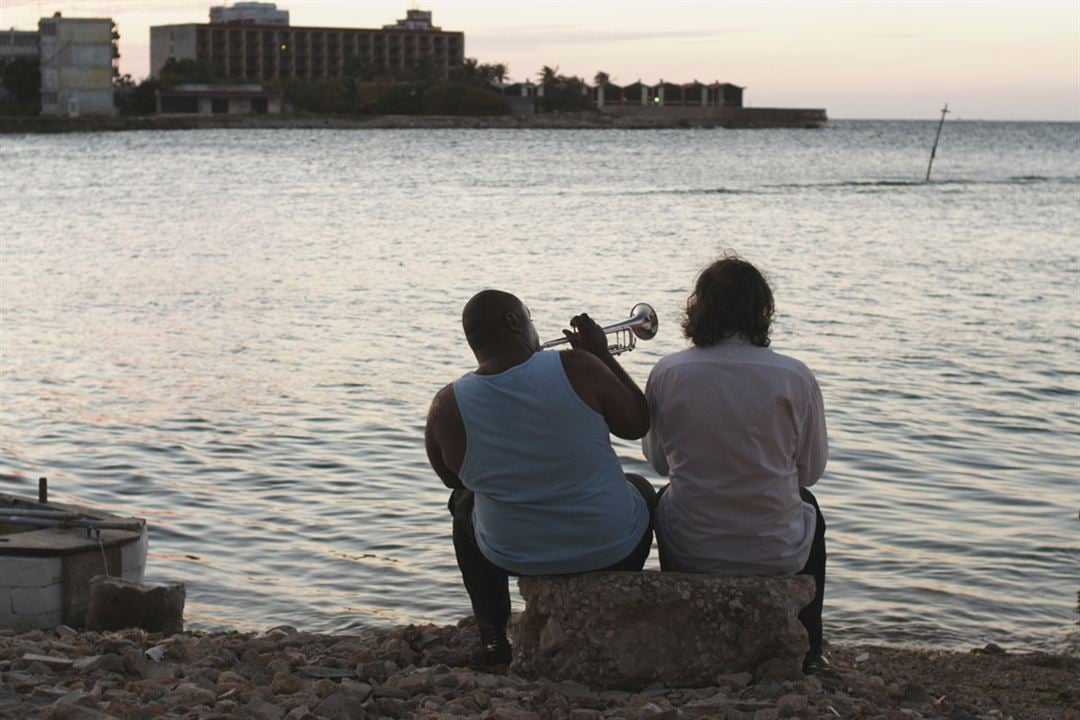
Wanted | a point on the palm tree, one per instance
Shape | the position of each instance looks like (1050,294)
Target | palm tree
(601,79)
(468,71)
(549,75)
(492,73)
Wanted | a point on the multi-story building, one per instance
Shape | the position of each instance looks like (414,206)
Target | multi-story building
(249,13)
(264,53)
(78,58)
(17,44)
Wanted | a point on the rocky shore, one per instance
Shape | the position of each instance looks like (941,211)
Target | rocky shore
(430,671)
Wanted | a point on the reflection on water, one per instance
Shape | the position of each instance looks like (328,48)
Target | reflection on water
(236,334)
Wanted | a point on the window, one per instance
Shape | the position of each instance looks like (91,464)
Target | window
(48,29)
(48,98)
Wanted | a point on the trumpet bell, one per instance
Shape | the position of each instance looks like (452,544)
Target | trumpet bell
(649,323)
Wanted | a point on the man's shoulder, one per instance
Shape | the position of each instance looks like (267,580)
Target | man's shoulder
(442,404)
(677,358)
(444,393)
(790,363)
(742,354)
(580,362)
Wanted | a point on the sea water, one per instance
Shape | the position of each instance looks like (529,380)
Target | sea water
(236,334)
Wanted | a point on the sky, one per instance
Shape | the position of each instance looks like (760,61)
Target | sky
(990,60)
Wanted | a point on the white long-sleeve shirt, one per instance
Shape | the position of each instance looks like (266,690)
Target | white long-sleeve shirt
(738,429)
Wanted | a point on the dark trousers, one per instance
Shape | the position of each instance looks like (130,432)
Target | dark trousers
(488,584)
(809,616)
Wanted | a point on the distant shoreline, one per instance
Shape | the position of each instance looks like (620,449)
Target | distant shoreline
(763,118)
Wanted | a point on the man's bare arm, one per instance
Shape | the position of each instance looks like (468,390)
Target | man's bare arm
(442,433)
(602,383)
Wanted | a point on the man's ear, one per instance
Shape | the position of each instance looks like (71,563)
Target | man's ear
(513,322)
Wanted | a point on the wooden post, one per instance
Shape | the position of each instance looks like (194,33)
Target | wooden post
(933,151)
(43,490)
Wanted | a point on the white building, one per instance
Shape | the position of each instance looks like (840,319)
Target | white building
(77,65)
(18,43)
(249,13)
(414,20)
(219,99)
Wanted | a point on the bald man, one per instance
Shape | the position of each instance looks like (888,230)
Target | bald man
(524,443)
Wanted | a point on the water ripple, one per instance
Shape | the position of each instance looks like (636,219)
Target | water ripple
(238,334)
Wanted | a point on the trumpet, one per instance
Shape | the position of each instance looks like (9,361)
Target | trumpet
(642,324)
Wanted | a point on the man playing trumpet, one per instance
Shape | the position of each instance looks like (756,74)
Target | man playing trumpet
(524,443)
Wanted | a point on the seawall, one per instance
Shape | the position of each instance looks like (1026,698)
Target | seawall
(625,118)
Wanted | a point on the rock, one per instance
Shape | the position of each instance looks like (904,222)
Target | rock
(510,712)
(39,668)
(324,687)
(73,712)
(48,693)
(356,687)
(734,681)
(326,672)
(652,711)
(413,683)
(629,630)
(285,683)
(53,663)
(341,706)
(583,714)
(302,712)
(189,695)
(779,668)
(90,663)
(116,603)
(259,709)
(791,705)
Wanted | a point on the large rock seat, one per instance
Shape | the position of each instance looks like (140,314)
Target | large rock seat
(627,630)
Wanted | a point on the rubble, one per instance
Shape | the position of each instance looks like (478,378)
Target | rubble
(435,672)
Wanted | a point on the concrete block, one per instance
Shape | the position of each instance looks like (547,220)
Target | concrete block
(29,601)
(628,630)
(29,572)
(26,622)
(117,603)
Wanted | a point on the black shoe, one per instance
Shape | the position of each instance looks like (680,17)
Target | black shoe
(497,649)
(814,665)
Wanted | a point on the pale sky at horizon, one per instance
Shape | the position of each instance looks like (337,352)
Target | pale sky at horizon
(857,59)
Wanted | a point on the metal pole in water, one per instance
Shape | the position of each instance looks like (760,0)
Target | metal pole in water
(933,151)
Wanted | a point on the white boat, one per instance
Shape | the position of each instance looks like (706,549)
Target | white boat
(48,553)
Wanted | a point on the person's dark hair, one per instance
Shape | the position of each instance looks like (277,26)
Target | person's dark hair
(730,297)
(482,318)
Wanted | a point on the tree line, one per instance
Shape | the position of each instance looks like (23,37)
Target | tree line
(467,89)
